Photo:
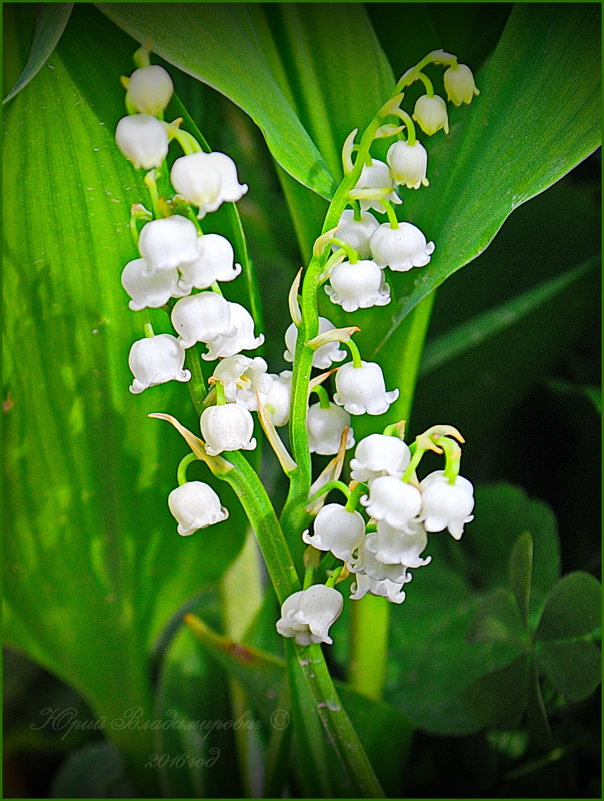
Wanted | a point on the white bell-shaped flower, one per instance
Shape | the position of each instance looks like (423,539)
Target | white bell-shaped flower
(358,286)
(277,400)
(308,614)
(195,505)
(377,175)
(356,233)
(227,427)
(379,455)
(206,180)
(431,114)
(324,356)
(143,139)
(408,164)
(391,590)
(215,262)
(400,248)
(325,427)
(395,547)
(362,389)
(242,377)
(393,500)
(150,89)
(445,505)
(155,360)
(149,289)
(366,564)
(336,530)
(243,337)
(169,242)
(459,84)
(202,318)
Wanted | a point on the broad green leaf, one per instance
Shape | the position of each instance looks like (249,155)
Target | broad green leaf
(574,668)
(498,699)
(217,44)
(50,24)
(521,571)
(537,116)
(573,608)
(94,566)
(482,327)
(460,621)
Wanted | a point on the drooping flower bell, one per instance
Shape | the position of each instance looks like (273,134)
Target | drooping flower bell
(215,262)
(277,401)
(227,427)
(336,530)
(392,546)
(356,233)
(431,114)
(362,389)
(379,455)
(149,289)
(243,337)
(308,614)
(393,500)
(391,590)
(358,286)
(195,505)
(446,505)
(324,356)
(155,360)
(377,176)
(206,180)
(242,377)
(366,564)
(459,84)
(325,426)
(143,140)
(150,89)
(168,242)
(408,164)
(202,318)
(400,248)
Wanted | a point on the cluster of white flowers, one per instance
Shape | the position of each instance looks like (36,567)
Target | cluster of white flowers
(180,268)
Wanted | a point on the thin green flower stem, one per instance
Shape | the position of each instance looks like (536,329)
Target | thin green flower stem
(197,385)
(309,575)
(147,324)
(452,457)
(409,124)
(321,393)
(352,254)
(355,494)
(141,57)
(186,140)
(370,617)
(412,74)
(331,485)
(181,473)
(392,218)
(416,458)
(357,211)
(335,575)
(427,83)
(220,396)
(354,352)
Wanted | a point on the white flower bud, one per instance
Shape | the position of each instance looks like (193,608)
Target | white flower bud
(195,505)
(446,505)
(358,286)
(391,590)
(400,248)
(206,180)
(336,530)
(377,175)
(202,318)
(242,377)
(392,546)
(325,427)
(362,390)
(324,356)
(459,84)
(379,455)
(408,164)
(307,615)
(228,427)
(243,337)
(149,289)
(431,114)
(394,501)
(214,262)
(277,401)
(150,89)
(367,564)
(143,140)
(155,360)
(169,242)
(356,233)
